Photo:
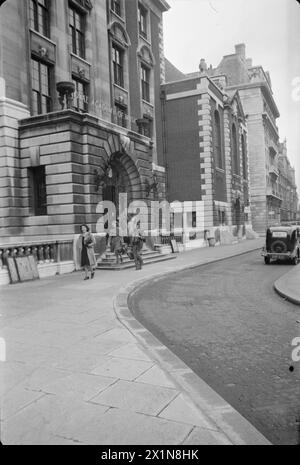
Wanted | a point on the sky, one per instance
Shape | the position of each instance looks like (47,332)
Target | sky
(195,29)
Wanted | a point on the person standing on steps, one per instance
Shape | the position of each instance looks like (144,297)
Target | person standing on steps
(136,240)
(86,245)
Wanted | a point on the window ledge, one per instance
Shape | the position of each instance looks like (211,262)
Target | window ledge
(121,88)
(145,39)
(117,16)
(80,58)
(42,36)
(148,103)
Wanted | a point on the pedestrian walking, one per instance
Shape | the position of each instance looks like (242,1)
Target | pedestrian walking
(86,245)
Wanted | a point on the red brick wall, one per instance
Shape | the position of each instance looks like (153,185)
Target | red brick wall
(183,159)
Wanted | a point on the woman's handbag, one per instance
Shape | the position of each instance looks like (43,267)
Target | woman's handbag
(89,241)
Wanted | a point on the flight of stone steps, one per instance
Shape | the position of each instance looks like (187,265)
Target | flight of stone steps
(108,261)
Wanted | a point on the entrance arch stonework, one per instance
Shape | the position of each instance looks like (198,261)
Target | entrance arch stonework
(124,162)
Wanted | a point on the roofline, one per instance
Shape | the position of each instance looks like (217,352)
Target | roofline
(194,78)
(164,6)
(181,80)
(262,85)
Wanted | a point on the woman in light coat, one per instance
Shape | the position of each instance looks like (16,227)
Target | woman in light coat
(86,244)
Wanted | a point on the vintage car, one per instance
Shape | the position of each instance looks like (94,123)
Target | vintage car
(282,242)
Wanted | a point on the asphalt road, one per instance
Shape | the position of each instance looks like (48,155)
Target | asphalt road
(228,324)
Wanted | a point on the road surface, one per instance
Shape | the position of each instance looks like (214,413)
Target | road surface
(228,324)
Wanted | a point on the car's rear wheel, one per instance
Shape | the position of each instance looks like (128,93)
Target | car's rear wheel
(295,261)
(279,247)
(267,260)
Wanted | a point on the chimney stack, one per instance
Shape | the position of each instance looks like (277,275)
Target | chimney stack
(240,50)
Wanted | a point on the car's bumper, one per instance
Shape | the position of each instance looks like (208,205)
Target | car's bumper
(277,256)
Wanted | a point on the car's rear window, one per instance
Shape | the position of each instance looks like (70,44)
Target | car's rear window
(279,234)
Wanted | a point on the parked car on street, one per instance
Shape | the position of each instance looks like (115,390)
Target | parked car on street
(282,242)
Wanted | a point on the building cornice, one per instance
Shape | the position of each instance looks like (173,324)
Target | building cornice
(162,5)
(266,91)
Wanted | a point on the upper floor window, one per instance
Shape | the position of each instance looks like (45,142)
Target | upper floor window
(120,114)
(118,65)
(145,126)
(244,154)
(218,140)
(80,98)
(41,89)
(40,16)
(145,78)
(77,32)
(116,7)
(235,151)
(142,17)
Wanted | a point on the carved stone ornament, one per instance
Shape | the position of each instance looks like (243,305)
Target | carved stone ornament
(125,143)
(43,52)
(81,72)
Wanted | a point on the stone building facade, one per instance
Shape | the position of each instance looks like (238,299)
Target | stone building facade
(79,112)
(255,89)
(287,188)
(205,147)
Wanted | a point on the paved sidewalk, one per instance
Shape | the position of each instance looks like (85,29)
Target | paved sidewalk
(288,286)
(75,375)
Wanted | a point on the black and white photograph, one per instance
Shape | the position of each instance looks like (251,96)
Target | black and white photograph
(149,225)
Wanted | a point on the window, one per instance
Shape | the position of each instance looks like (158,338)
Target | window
(40,77)
(145,76)
(77,28)
(40,16)
(81,99)
(145,126)
(37,191)
(120,115)
(218,140)
(116,6)
(118,65)
(235,153)
(244,154)
(142,17)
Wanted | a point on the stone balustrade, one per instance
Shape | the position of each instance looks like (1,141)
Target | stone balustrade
(43,252)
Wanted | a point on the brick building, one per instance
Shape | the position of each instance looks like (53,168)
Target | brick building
(79,112)
(205,146)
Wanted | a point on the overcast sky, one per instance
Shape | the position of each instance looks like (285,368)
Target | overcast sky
(209,29)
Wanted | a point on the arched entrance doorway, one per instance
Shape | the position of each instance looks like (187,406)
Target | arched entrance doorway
(123,178)
(118,182)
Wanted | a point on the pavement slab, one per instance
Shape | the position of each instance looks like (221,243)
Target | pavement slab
(49,416)
(157,377)
(137,397)
(123,368)
(140,429)
(181,409)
